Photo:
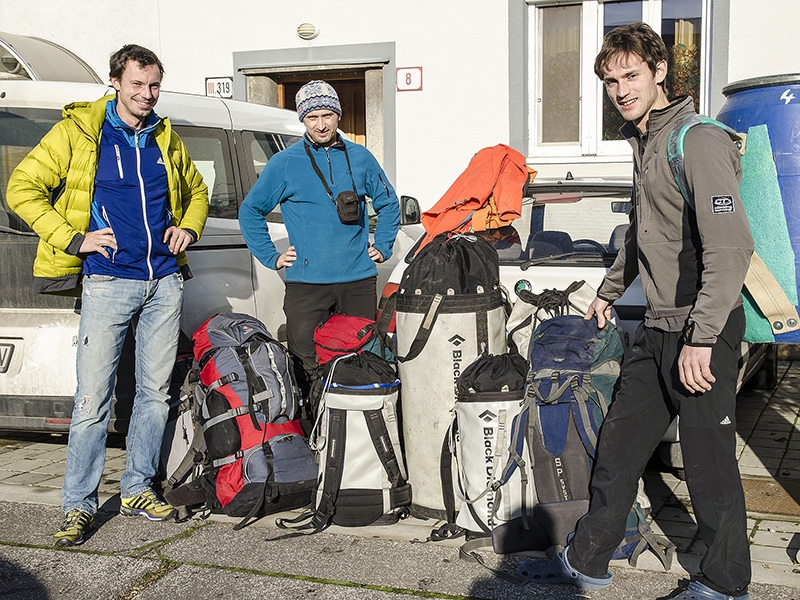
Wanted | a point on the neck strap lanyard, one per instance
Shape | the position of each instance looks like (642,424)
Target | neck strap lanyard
(322,177)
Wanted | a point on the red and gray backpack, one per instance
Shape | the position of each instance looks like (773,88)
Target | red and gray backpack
(250,414)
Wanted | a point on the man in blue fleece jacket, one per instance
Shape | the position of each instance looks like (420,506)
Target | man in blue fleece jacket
(330,264)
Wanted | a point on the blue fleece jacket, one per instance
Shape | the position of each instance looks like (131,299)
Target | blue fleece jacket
(327,250)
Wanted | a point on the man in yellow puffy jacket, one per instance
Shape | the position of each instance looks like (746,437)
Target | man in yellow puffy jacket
(115,200)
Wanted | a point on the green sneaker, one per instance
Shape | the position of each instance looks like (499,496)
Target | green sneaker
(148,504)
(77,523)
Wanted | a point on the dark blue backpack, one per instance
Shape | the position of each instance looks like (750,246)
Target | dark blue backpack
(573,377)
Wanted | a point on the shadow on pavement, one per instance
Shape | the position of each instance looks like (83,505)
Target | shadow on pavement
(16,583)
(769,439)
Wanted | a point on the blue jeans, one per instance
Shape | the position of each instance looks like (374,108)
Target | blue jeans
(109,306)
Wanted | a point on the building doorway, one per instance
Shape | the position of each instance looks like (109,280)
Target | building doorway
(363,75)
(351,95)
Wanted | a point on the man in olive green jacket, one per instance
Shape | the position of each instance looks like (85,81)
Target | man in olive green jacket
(684,356)
(128,202)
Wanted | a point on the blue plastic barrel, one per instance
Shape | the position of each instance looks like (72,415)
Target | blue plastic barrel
(773,101)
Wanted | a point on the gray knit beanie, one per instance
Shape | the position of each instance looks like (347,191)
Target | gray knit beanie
(317,95)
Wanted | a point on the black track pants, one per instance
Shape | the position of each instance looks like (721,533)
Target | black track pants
(307,305)
(650,395)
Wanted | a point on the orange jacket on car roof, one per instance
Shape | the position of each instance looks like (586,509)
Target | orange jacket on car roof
(487,194)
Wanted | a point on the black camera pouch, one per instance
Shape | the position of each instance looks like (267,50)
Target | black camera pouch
(348,208)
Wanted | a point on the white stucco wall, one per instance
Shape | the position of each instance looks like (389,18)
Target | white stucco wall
(764,38)
(461,45)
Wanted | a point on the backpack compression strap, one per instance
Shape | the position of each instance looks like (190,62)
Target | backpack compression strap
(257,390)
(268,491)
(767,293)
(469,503)
(663,548)
(192,398)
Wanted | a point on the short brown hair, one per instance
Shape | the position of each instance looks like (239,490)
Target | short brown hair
(140,54)
(634,38)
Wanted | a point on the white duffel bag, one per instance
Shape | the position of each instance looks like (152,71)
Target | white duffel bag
(450,309)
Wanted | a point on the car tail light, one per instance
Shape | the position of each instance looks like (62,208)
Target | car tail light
(388,290)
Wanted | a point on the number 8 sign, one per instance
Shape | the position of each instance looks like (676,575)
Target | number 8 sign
(409,79)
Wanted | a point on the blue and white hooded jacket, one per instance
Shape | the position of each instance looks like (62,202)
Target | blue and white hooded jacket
(131,197)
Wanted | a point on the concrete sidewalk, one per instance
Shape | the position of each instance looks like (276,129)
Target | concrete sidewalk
(131,557)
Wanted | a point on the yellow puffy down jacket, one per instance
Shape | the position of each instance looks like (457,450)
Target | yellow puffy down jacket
(67,156)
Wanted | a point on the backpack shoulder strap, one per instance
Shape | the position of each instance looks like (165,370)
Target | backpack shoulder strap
(334,465)
(675,149)
(320,516)
(448,529)
(387,312)
(384,447)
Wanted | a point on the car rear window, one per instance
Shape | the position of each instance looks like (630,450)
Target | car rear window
(20,130)
(575,225)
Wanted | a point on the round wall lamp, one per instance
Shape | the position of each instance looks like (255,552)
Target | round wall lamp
(307,31)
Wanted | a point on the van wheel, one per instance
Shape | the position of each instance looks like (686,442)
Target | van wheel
(766,378)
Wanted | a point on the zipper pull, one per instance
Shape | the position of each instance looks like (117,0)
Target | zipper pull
(119,162)
(111,251)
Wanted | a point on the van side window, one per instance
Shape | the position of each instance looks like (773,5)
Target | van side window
(259,148)
(20,130)
(210,153)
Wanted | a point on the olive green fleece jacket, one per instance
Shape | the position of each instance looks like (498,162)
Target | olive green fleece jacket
(68,155)
(692,263)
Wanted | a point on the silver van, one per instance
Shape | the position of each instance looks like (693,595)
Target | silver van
(229,142)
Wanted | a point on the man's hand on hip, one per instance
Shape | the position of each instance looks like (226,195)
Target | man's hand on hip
(178,239)
(601,309)
(100,241)
(286,259)
(694,368)
(375,254)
